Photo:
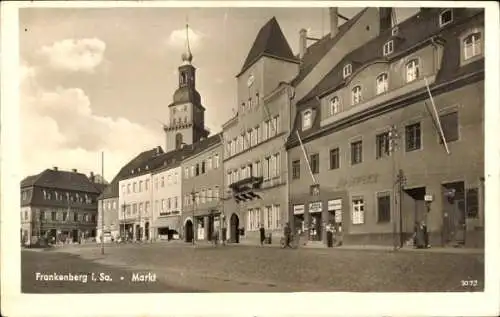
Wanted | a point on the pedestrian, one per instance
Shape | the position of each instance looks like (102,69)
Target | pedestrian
(262,235)
(426,235)
(288,234)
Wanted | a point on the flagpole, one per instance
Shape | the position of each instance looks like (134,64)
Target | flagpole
(441,133)
(305,155)
(102,208)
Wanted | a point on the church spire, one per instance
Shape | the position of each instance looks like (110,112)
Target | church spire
(187,57)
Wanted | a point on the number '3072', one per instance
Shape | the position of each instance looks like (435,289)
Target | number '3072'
(466,283)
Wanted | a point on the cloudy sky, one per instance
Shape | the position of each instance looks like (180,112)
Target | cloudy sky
(101,79)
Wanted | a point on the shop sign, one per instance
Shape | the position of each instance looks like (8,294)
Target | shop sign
(298,209)
(315,207)
(334,204)
(338,216)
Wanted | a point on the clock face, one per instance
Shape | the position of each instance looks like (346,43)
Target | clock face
(250,80)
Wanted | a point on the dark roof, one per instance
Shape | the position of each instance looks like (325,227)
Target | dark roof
(316,51)
(137,162)
(64,180)
(201,146)
(412,32)
(270,42)
(186,94)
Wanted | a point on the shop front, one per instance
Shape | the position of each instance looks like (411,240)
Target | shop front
(166,227)
(207,224)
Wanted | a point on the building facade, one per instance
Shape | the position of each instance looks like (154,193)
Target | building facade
(202,184)
(108,225)
(254,153)
(374,160)
(60,206)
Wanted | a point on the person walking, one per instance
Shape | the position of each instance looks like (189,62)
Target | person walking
(262,235)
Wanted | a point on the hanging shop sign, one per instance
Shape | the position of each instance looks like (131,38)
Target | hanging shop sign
(334,204)
(298,209)
(315,207)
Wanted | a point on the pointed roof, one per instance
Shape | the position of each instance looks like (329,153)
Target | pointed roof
(270,42)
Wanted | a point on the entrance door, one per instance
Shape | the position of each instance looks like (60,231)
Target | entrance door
(188,231)
(234,232)
(210,228)
(146,230)
(413,210)
(454,213)
(315,228)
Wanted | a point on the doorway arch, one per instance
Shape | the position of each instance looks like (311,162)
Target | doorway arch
(234,235)
(188,231)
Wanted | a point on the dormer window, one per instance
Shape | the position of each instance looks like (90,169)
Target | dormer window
(445,17)
(347,71)
(306,119)
(472,45)
(382,83)
(334,105)
(395,31)
(356,95)
(388,48)
(412,70)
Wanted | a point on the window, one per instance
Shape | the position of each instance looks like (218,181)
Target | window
(277,124)
(306,119)
(209,195)
(140,186)
(197,169)
(85,217)
(267,166)
(216,161)
(135,187)
(388,48)
(176,202)
(358,211)
(186,172)
(347,70)
(134,209)
(53,216)
(356,95)
(203,167)
(257,134)
(75,216)
(334,105)
(472,201)
(472,45)
(233,147)
(449,123)
(412,70)
(334,158)
(192,171)
(412,137)
(382,143)
(93,218)
(128,188)
(240,143)
(382,83)
(277,216)
(265,133)
(356,152)
(384,207)
(445,17)
(146,207)
(244,141)
(229,178)
(140,208)
(257,169)
(162,181)
(296,169)
(314,163)
(146,184)
(114,204)
(64,216)
(216,193)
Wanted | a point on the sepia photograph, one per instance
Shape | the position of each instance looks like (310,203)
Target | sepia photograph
(242,148)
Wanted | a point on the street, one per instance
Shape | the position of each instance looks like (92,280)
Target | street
(178,267)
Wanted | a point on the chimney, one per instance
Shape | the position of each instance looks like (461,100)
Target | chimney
(385,19)
(158,150)
(55,168)
(74,170)
(302,43)
(334,21)
(92,177)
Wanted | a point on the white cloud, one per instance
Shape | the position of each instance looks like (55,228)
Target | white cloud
(177,38)
(75,55)
(58,128)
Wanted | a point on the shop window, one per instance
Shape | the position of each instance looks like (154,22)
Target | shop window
(296,169)
(356,152)
(314,163)
(358,211)
(413,137)
(449,123)
(384,207)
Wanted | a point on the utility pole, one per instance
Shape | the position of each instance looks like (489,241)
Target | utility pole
(393,138)
(102,207)
(194,202)
(401,182)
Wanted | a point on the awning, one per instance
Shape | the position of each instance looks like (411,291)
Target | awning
(170,222)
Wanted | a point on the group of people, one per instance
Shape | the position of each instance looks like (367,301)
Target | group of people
(420,236)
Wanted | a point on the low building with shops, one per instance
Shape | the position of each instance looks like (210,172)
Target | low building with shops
(59,206)
(371,135)
(202,183)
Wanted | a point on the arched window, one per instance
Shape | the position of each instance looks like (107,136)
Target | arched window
(472,45)
(306,119)
(356,95)
(178,140)
(412,70)
(334,105)
(382,83)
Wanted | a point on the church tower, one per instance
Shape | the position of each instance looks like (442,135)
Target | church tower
(187,115)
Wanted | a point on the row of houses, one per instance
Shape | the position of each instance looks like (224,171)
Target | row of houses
(372,128)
